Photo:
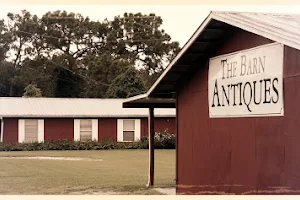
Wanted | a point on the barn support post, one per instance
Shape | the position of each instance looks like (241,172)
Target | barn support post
(151,147)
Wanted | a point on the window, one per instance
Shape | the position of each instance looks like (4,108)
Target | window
(128,130)
(31,130)
(86,130)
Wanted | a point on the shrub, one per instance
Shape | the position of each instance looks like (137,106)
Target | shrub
(162,140)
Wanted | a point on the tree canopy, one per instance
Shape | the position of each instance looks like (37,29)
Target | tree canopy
(32,90)
(68,55)
(126,85)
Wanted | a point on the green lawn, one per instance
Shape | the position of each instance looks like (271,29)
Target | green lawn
(124,171)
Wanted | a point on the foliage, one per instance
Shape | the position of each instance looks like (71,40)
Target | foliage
(103,68)
(7,80)
(32,90)
(69,55)
(162,141)
(126,85)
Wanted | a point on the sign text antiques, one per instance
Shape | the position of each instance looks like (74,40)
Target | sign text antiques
(247,83)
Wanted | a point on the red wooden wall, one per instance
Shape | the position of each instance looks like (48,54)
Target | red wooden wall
(58,129)
(238,155)
(63,128)
(10,130)
(160,125)
(107,128)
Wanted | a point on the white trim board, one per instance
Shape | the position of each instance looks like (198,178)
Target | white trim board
(41,130)
(76,129)
(21,130)
(95,129)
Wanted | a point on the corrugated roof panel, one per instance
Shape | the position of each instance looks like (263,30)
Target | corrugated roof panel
(65,107)
(283,28)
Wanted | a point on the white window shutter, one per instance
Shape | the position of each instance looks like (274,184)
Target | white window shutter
(137,130)
(120,130)
(95,129)
(21,130)
(76,129)
(41,130)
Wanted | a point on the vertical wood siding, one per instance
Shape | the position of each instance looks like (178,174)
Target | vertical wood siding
(59,129)
(10,130)
(239,155)
(160,125)
(63,129)
(107,128)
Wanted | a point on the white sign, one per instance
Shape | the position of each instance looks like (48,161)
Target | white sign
(247,83)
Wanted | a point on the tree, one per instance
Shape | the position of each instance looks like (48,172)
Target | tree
(5,40)
(126,85)
(141,40)
(6,69)
(69,55)
(32,91)
(23,29)
(7,80)
(60,40)
(103,69)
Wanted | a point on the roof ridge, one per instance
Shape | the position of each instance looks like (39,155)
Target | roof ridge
(258,12)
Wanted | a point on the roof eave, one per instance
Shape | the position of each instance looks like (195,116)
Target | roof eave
(133,102)
(144,101)
(183,50)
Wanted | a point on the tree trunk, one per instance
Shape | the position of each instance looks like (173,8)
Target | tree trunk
(11,90)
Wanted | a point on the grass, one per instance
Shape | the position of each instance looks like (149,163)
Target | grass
(123,171)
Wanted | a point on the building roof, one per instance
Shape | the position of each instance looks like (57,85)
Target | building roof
(73,108)
(282,28)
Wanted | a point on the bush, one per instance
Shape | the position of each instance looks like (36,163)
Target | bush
(162,140)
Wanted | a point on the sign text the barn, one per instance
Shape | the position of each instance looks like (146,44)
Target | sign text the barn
(247,83)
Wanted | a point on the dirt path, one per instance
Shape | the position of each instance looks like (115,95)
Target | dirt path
(50,158)
(93,192)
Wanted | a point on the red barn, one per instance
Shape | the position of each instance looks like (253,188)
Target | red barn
(49,119)
(235,88)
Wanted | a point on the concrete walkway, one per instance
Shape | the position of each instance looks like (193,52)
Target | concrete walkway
(166,191)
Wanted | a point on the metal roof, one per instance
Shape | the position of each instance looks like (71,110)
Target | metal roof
(73,108)
(282,28)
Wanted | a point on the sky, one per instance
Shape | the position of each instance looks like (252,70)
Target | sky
(179,21)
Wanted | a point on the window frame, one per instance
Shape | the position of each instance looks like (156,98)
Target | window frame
(120,129)
(77,129)
(22,130)
(134,131)
(85,130)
